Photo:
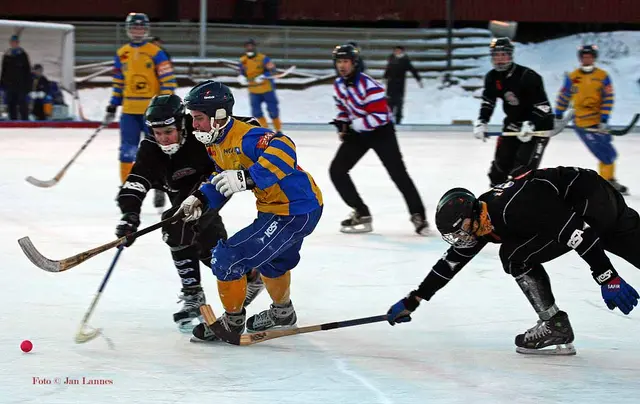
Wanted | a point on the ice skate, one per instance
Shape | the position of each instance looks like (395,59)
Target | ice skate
(159,200)
(281,316)
(232,322)
(254,287)
(619,187)
(356,224)
(193,297)
(420,223)
(555,331)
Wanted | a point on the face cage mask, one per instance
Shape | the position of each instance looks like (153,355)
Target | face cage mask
(502,67)
(460,239)
(147,31)
(209,138)
(173,147)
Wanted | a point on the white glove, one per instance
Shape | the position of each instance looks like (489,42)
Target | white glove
(242,80)
(480,130)
(526,129)
(259,79)
(231,181)
(192,208)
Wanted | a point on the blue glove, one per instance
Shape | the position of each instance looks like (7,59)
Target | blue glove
(618,293)
(401,311)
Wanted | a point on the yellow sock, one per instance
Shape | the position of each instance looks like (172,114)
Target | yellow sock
(125,169)
(278,288)
(263,122)
(277,125)
(232,294)
(607,170)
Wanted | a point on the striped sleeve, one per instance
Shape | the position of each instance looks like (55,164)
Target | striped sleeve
(564,96)
(607,99)
(274,156)
(117,82)
(343,112)
(164,71)
(374,104)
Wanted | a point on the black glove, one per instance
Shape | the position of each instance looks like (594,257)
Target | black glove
(110,115)
(401,311)
(341,126)
(128,224)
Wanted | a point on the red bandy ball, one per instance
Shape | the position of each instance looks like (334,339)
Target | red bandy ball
(26,346)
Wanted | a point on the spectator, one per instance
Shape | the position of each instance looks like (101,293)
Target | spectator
(15,79)
(40,99)
(395,73)
(159,42)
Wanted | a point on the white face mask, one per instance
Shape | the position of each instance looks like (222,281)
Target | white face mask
(587,69)
(251,54)
(209,138)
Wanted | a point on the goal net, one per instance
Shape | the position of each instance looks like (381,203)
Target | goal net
(48,44)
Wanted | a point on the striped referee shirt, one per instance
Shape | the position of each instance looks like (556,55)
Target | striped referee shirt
(362,102)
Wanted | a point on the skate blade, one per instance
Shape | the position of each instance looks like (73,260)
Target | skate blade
(562,349)
(359,228)
(186,326)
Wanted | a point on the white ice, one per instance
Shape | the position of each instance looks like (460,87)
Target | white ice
(458,349)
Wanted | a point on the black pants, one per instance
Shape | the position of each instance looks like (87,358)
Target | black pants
(514,157)
(396,102)
(606,212)
(191,242)
(384,142)
(17,102)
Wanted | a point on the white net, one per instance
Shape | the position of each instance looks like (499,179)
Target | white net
(51,45)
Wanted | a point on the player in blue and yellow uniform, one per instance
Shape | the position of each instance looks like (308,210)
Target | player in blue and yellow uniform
(591,90)
(255,72)
(289,207)
(141,71)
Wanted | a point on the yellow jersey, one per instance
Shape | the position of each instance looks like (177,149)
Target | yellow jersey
(282,186)
(259,65)
(592,95)
(140,71)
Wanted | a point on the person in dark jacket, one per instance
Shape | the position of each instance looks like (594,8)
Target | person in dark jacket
(397,67)
(40,100)
(15,79)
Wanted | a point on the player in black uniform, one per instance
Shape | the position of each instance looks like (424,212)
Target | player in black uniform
(536,218)
(527,110)
(172,159)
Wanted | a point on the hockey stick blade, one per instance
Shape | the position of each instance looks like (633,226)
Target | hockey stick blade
(42,184)
(249,339)
(50,265)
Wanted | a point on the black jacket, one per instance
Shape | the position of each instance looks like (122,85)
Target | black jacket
(396,72)
(545,206)
(16,71)
(523,98)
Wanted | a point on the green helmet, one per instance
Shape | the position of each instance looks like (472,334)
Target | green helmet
(163,111)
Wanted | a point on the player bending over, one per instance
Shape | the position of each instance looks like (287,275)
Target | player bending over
(536,218)
(288,200)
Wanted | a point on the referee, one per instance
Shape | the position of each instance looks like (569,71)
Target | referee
(364,122)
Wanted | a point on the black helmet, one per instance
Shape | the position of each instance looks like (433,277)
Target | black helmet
(163,111)
(347,51)
(454,207)
(137,20)
(216,101)
(503,45)
(588,50)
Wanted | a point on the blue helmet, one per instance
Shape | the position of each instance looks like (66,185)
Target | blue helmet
(215,100)
(137,20)
(588,50)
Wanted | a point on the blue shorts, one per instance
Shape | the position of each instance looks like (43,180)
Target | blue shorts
(131,129)
(268,98)
(600,145)
(271,244)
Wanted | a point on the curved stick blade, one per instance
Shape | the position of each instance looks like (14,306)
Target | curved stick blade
(40,183)
(36,258)
(86,335)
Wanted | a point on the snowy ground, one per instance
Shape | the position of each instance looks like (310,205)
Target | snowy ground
(431,105)
(458,349)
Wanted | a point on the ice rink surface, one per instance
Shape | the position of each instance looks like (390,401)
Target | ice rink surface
(458,349)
